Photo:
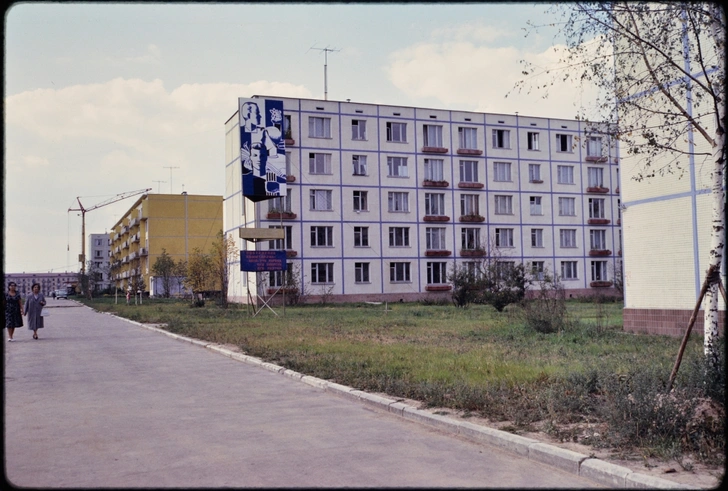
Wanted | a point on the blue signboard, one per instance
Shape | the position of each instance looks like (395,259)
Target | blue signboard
(262,260)
(262,148)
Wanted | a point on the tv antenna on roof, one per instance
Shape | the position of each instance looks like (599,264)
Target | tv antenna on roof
(326,62)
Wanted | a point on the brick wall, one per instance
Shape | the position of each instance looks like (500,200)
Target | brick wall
(671,322)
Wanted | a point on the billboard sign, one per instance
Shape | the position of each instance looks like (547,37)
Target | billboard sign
(262,260)
(262,148)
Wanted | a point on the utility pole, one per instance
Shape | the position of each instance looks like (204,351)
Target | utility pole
(326,62)
(170,177)
(158,184)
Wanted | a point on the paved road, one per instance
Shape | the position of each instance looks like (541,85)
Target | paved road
(101,402)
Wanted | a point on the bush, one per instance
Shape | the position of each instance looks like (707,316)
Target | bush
(546,312)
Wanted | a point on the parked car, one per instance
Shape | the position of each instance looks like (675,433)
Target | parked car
(61,294)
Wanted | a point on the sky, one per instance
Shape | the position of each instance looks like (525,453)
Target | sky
(109,98)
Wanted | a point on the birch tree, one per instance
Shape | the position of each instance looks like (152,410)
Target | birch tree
(674,53)
(223,253)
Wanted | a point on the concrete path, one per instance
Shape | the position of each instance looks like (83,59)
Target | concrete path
(101,402)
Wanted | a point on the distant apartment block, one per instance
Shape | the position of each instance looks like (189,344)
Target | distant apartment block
(384,200)
(99,255)
(49,282)
(177,223)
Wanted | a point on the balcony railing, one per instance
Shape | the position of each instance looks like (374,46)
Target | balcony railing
(437,253)
(597,189)
(469,151)
(434,150)
(472,218)
(436,218)
(600,252)
(428,183)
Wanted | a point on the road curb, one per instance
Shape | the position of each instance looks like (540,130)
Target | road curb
(599,471)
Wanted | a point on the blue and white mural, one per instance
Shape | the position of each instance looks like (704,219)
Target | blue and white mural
(262,148)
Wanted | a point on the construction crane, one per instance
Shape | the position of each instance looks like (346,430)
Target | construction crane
(118,197)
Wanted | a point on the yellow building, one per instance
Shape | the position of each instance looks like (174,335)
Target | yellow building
(177,223)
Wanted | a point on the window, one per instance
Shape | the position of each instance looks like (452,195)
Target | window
(599,270)
(596,177)
(535,202)
(469,204)
(504,268)
(470,238)
(360,201)
(396,132)
(399,237)
(361,272)
(288,164)
(433,169)
(360,164)
(358,129)
(594,146)
(434,204)
(436,273)
(501,139)
(534,172)
(563,143)
(468,171)
(399,272)
(503,205)
(532,140)
(565,174)
(537,270)
(598,240)
(567,238)
(281,204)
(287,132)
(504,237)
(319,127)
(568,270)
(319,163)
(322,273)
(567,207)
(596,207)
(322,236)
(398,201)
(397,166)
(361,236)
(320,200)
(435,238)
(281,244)
(98,253)
(536,237)
(432,135)
(468,138)
(502,171)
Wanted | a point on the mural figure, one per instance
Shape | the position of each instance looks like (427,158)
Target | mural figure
(262,150)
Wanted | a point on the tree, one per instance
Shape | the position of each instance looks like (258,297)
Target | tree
(94,278)
(200,274)
(673,51)
(223,252)
(179,272)
(163,267)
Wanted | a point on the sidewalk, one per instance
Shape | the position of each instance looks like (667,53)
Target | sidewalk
(99,401)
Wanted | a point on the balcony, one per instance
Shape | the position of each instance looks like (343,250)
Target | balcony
(598,221)
(469,151)
(597,189)
(595,158)
(600,284)
(143,251)
(427,183)
(472,252)
(471,218)
(290,253)
(471,185)
(434,150)
(438,288)
(600,252)
(437,253)
(436,218)
(281,215)
(290,178)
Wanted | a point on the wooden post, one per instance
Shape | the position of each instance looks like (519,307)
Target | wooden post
(706,284)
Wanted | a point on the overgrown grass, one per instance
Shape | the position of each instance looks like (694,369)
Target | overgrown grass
(487,363)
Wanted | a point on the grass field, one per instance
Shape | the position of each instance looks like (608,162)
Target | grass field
(478,360)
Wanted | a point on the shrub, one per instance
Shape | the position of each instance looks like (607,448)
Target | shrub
(546,312)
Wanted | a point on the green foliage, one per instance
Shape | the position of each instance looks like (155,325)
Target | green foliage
(164,268)
(546,312)
(491,282)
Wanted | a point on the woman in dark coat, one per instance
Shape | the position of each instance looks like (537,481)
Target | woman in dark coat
(33,308)
(13,310)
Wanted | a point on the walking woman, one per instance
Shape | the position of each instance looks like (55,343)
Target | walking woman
(33,308)
(13,310)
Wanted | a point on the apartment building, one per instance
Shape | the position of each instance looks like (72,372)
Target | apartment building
(156,222)
(99,255)
(382,201)
(49,282)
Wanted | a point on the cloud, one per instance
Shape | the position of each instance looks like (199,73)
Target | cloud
(466,72)
(153,55)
